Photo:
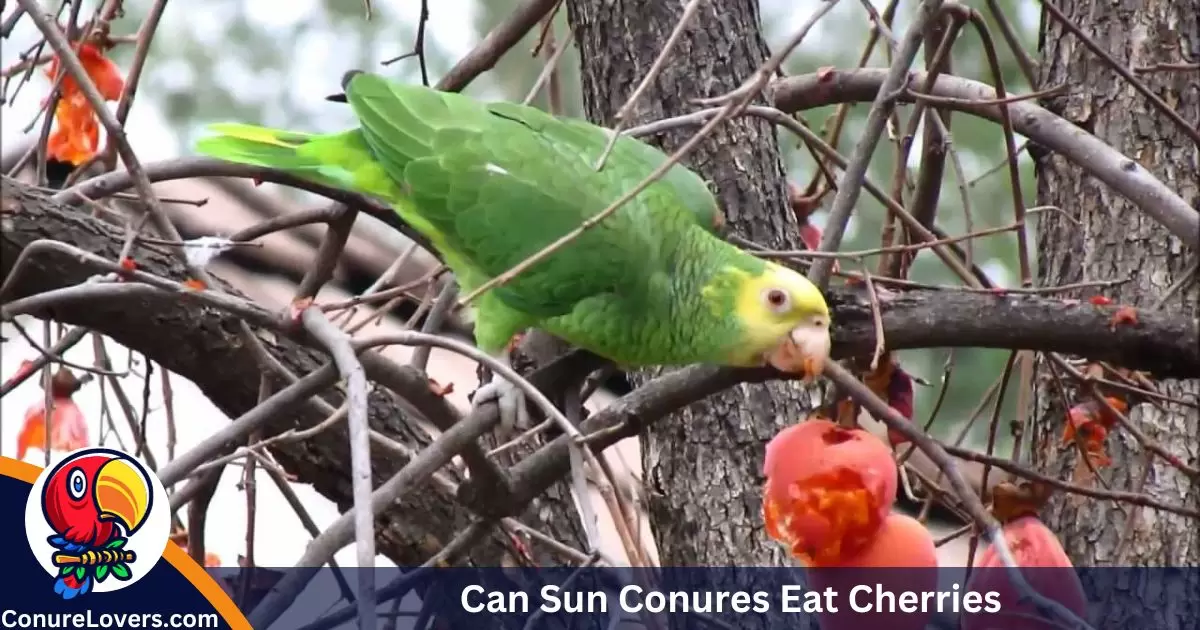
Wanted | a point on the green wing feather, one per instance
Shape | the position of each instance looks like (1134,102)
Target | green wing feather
(630,159)
(497,188)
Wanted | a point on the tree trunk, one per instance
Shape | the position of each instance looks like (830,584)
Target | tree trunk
(702,467)
(1107,238)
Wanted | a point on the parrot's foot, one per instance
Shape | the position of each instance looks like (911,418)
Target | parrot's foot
(514,414)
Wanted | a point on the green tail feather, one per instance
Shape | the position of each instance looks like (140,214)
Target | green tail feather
(260,146)
(341,160)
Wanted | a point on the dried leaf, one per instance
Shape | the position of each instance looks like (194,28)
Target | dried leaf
(890,382)
(1088,425)
(63,383)
(77,135)
(803,206)
(1085,418)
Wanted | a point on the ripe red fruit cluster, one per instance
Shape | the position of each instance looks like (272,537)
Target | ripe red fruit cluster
(1033,545)
(829,493)
(829,497)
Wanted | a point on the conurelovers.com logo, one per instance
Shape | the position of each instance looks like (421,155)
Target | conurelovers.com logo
(97,522)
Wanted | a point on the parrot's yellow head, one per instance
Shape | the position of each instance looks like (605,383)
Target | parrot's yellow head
(785,321)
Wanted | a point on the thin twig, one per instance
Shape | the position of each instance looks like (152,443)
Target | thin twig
(340,532)
(624,113)
(346,359)
(850,186)
(880,343)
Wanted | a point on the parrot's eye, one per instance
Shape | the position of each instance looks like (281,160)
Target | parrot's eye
(76,484)
(777,300)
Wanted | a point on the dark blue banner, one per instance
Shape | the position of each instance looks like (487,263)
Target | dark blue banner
(699,598)
(68,586)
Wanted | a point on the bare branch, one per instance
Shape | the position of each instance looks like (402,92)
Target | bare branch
(341,532)
(497,42)
(1164,343)
(341,349)
(850,186)
(1122,173)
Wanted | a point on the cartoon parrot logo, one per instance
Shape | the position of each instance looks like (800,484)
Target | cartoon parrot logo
(94,501)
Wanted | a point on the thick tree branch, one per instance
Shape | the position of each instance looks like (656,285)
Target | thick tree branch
(1163,343)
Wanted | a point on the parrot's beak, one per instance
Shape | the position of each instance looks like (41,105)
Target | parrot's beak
(123,493)
(804,350)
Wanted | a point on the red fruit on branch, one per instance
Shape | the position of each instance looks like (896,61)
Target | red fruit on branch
(901,542)
(68,428)
(901,557)
(1125,316)
(1033,546)
(828,490)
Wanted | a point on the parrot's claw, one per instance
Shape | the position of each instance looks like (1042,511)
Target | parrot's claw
(514,414)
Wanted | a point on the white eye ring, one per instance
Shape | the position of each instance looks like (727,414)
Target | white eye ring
(76,484)
(777,300)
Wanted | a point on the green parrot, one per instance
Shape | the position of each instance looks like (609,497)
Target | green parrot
(490,184)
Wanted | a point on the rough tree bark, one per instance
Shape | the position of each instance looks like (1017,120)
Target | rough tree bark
(703,468)
(1107,238)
